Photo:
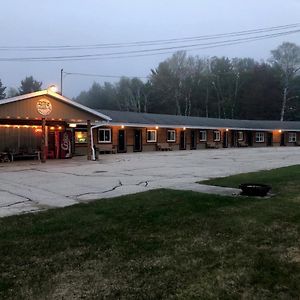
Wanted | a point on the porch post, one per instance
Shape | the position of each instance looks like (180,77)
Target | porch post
(89,142)
(43,142)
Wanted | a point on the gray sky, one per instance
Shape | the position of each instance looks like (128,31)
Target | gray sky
(81,22)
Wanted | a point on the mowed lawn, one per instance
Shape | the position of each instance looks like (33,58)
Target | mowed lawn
(161,244)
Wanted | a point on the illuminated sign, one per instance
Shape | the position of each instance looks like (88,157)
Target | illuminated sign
(44,107)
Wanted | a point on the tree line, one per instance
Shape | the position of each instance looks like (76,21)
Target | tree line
(218,87)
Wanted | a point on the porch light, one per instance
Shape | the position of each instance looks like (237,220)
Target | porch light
(52,88)
(279,130)
(52,128)
(59,127)
(156,127)
(184,128)
(122,126)
(227,129)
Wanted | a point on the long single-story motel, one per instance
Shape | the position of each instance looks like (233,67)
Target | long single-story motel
(46,125)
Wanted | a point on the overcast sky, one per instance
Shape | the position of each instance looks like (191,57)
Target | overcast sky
(81,22)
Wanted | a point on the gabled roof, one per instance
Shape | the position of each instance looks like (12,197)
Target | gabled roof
(172,121)
(58,97)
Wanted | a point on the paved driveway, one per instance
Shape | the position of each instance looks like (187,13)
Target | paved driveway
(31,186)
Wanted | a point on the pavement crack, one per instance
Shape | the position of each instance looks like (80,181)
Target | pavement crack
(27,199)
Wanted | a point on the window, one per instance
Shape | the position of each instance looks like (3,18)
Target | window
(151,136)
(104,135)
(80,137)
(240,135)
(202,135)
(171,136)
(259,137)
(217,135)
(292,137)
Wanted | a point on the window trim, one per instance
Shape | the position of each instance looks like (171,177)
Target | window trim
(294,139)
(168,140)
(217,139)
(110,136)
(155,135)
(258,136)
(242,134)
(78,143)
(205,133)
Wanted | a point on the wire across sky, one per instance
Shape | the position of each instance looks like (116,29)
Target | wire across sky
(148,48)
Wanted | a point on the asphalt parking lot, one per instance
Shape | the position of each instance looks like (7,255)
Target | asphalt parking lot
(30,186)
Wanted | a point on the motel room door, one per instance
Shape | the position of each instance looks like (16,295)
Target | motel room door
(225,139)
(137,146)
(193,140)
(269,139)
(182,145)
(121,141)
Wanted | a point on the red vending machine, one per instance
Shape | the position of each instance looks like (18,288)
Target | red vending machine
(66,144)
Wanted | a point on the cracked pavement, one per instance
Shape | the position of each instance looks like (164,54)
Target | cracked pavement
(29,186)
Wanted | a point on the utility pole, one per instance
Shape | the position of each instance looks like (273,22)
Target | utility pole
(61,81)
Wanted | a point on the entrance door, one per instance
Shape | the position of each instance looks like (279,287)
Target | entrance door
(225,139)
(121,141)
(137,140)
(182,140)
(193,140)
(269,139)
(282,141)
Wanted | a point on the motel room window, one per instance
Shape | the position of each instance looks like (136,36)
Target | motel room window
(171,136)
(202,135)
(217,135)
(151,136)
(240,135)
(292,137)
(260,137)
(80,137)
(104,135)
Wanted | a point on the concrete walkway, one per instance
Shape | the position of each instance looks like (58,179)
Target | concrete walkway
(30,186)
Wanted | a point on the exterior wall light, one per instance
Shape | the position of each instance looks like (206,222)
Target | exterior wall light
(122,126)
(52,88)
(156,127)
(72,125)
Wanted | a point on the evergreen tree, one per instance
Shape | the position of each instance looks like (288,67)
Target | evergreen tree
(29,85)
(2,90)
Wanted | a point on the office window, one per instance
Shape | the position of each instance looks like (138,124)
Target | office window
(80,137)
(104,135)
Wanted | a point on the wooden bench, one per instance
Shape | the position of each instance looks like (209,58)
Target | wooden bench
(163,147)
(242,144)
(107,148)
(211,145)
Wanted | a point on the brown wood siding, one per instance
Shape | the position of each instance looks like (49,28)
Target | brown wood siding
(60,110)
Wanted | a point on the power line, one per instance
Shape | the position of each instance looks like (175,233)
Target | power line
(101,75)
(151,42)
(149,52)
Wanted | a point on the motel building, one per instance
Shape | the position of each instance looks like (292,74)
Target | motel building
(46,125)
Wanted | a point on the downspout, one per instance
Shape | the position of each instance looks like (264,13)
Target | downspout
(92,138)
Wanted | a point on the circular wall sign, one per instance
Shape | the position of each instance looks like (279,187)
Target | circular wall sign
(44,107)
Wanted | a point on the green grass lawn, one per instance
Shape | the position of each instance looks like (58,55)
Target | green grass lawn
(161,244)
